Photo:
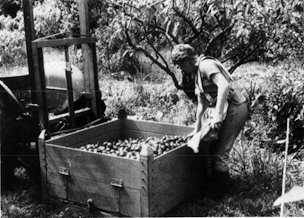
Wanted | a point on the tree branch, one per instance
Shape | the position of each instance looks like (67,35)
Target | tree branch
(188,21)
(170,35)
(157,53)
(190,39)
(154,60)
(202,16)
(217,37)
(245,58)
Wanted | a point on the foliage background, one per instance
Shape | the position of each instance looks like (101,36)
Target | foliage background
(239,31)
(134,39)
(236,32)
(256,169)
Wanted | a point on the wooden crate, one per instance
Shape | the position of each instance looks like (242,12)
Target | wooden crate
(145,187)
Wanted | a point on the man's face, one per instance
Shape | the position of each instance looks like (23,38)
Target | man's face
(187,66)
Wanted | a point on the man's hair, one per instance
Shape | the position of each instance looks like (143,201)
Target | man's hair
(182,52)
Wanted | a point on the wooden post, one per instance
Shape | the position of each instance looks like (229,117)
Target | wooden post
(89,60)
(146,159)
(29,37)
(70,93)
(95,82)
(83,17)
(43,166)
(40,85)
(35,65)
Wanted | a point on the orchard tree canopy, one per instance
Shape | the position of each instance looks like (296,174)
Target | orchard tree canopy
(237,31)
(10,7)
(234,31)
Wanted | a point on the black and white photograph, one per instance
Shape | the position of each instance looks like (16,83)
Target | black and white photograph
(151,108)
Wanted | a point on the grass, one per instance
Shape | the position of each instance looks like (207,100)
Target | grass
(256,172)
(13,71)
(257,179)
(256,175)
(49,54)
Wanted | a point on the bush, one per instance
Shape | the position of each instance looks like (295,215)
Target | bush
(12,55)
(146,101)
(279,97)
(258,175)
(12,40)
(256,166)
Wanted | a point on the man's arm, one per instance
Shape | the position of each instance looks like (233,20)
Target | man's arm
(222,94)
(212,71)
(201,107)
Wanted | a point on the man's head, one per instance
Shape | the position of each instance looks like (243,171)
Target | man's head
(184,56)
(182,52)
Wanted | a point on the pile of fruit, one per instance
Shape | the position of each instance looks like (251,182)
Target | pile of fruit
(130,148)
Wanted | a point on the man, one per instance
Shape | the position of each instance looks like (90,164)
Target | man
(220,101)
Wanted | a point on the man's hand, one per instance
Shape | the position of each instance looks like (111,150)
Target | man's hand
(217,121)
(190,135)
(216,124)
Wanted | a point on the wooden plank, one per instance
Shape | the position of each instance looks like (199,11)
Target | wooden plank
(84,30)
(43,166)
(96,94)
(156,127)
(70,93)
(141,135)
(29,36)
(90,60)
(57,190)
(84,17)
(58,89)
(136,134)
(106,197)
(80,189)
(88,133)
(93,166)
(106,136)
(146,160)
(174,179)
(40,85)
(130,202)
(63,42)
(78,113)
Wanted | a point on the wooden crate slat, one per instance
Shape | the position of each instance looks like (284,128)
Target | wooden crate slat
(78,113)
(130,202)
(40,43)
(87,134)
(155,127)
(108,136)
(112,136)
(43,166)
(173,181)
(123,200)
(103,195)
(56,190)
(97,167)
(131,133)
(81,189)
(127,133)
